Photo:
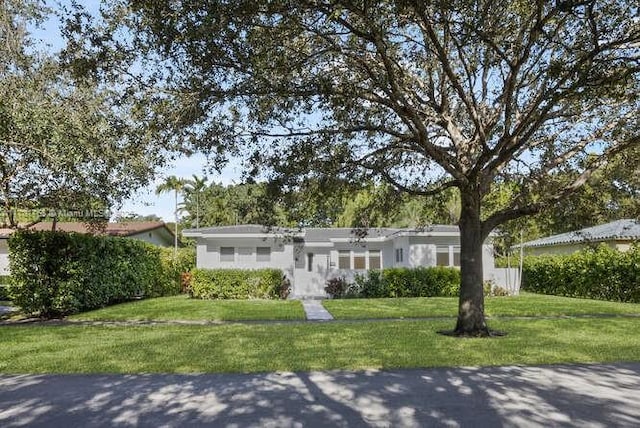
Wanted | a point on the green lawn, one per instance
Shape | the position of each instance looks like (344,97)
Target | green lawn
(526,304)
(184,308)
(310,346)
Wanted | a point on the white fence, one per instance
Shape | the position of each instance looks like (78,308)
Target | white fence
(507,278)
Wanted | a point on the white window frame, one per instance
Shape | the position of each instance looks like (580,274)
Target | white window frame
(367,256)
(453,250)
(341,255)
(362,254)
(450,251)
(441,249)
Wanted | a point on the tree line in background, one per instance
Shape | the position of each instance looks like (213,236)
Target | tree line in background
(608,195)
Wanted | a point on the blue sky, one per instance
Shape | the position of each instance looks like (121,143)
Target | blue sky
(145,201)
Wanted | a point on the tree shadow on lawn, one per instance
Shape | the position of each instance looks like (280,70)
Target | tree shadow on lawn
(565,395)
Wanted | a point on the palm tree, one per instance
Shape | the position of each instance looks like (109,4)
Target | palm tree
(175,184)
(195,186)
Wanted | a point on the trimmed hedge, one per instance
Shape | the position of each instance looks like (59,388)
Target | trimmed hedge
(603,273)
(183,263)
(4,287)
(405,282)
(238,284)
(58,273)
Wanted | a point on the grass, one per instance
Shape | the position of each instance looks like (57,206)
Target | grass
(184,308)
(310,346)
(526,304)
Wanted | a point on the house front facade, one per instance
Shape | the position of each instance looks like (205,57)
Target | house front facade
(310,257)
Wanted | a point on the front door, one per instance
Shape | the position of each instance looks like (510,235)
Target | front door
(311,273)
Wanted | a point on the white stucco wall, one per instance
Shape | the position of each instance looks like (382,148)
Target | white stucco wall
(422,255)
(509,279)
(563,249)
(310,280)
(488,258)
(159,237)
(208,254)
(401,242)
(4,257)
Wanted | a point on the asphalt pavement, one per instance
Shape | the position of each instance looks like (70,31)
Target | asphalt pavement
(559,396)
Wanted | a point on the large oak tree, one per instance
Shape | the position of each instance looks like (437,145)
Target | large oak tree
(424,95)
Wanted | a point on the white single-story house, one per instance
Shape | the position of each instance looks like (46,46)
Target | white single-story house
(619,235)
(154,232)
(311,256)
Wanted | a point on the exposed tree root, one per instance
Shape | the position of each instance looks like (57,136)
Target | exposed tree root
(473,334)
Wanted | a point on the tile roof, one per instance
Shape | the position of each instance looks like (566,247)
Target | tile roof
(626,229)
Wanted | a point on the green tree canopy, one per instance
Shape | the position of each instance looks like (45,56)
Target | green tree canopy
(64,145)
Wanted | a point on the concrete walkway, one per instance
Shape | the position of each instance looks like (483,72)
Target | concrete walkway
(315,311)
(559,396)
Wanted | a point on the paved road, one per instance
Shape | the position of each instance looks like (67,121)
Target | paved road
(582,395)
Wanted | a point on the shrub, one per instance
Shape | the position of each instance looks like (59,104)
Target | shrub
(500,292)
(285,288)
(602,273)
(405,282)
(184,262)
(238,284)
(57,273)
(336,287)
(490,289)
(4,287)
(185,282)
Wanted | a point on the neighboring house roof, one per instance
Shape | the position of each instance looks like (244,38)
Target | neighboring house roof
(320,234)
(114,229)
(620,230)
(236,230)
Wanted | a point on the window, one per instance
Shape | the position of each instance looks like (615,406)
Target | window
(399,255)
(263,254)
(227,254)
(442,256)
(309,262)
(456,259)
(344,259)
(442,259)
(374,259)
(359,261)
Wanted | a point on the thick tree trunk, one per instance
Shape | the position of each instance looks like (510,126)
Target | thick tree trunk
(471,321)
